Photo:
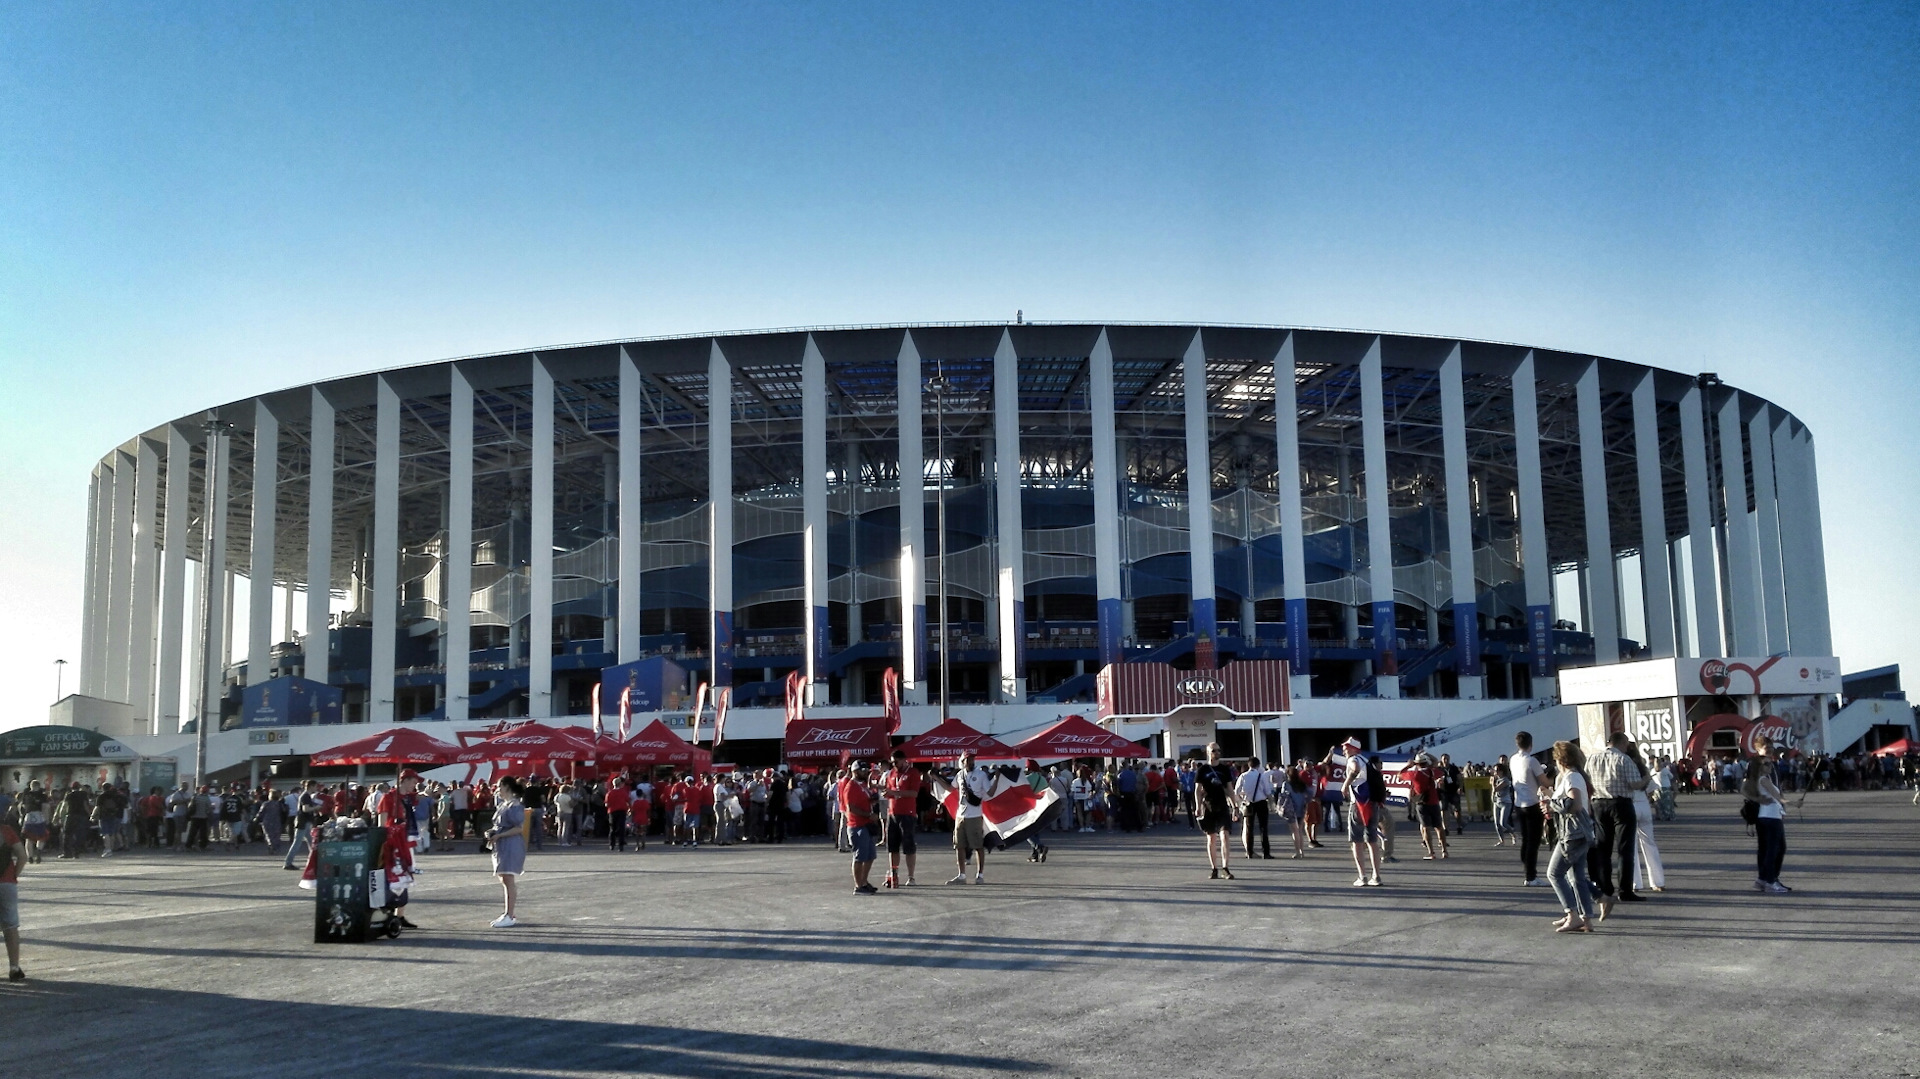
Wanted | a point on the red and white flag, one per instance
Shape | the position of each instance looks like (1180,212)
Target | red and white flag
(699,706)
(722,697)
(890,699)
(1015,811)
(795,682)
(595,709)
(626,710)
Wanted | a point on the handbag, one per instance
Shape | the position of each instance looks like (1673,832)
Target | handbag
(1575,826)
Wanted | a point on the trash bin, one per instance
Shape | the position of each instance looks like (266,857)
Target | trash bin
(350,883)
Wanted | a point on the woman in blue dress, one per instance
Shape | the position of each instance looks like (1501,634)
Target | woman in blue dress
(508,837)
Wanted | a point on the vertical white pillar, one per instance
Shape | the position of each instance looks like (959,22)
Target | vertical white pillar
(94,585)
(1011,590)
(913,524)
(540,557)
(319,537)
(630,535)
(1373,431)
(384,582)
(1460,565)
(1773,593)
(814,533)
(146,551)
(1106,501)
(1204,620)
(266,479)
(1743,554)
(1805,563)
(1603,612)
(1703,558)
(214,591)
(456,639)
(1656,578)
(173,583)
(1293,545)
(720,513)
(1536,570)
(119,578)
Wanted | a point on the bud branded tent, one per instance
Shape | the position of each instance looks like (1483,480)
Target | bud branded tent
(1075,737)
(952,738)
(401,745)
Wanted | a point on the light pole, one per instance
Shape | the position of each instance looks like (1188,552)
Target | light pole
(59,669)
(939,388)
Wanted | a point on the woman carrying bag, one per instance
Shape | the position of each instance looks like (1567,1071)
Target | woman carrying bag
(1573,827)
(508,838)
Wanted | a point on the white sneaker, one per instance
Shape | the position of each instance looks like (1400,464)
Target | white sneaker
(979,878)
(911,882)
(961,879)
(1359,882)
(1373,882)
(505,921)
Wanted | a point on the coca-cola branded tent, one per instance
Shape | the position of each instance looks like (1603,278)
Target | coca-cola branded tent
(831,739)
(530,744)
(656,744)
(952,738)
(402,745)
(1075,737)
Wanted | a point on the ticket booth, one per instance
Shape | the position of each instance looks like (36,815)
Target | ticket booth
(1694,708)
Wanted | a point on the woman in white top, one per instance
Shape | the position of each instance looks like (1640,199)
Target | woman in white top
(1083,798)
(1573,829)
(1648,872)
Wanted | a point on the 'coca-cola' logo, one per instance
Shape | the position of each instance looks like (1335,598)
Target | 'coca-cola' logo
(819,736)
(1768,729)
(1713,676)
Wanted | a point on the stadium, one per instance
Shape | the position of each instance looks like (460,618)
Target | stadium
(1426,531)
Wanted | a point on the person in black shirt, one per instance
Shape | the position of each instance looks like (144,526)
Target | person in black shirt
(1212,790)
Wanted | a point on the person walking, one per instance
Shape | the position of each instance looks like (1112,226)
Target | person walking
(507,836)
(13,854)
(1649,873)
(1616,777)
(1423,781)
(855,802)
(1254,793)
(1295,798)
(619,804)
(973,784)
(1213,792)
(1505,827)
(1364,818)
(1573,828)
(1770,825)
(1527,773)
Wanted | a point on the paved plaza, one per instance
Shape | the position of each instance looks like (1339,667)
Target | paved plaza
(1117,957)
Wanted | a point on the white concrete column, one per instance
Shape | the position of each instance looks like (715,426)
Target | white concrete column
(173,583)
(1373,432)
(1535,568)
(540,555)
(1743,542)
(214,593)
(119,578)
(1011,588)
(631,568)
(1702,552)
(1109,607)
(266,487)
(456,638)
(93,585)
(1293,545)
(1193,368)
(720,513)
(146,553)
(1804,561)
(384,582)
(1656,578)
(1602,592)
(1773,592)
(814,527)
(319,537)
(913,524)
(1460,564)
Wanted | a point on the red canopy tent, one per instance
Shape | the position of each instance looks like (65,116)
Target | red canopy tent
(1897,747)
(656,744)
(401,745)
(809,739)
(1075,737)
(952,738)
(530,744)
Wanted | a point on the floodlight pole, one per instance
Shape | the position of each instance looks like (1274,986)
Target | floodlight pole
(939,388)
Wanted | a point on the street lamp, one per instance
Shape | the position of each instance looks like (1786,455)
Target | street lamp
(939,388)
(59,669)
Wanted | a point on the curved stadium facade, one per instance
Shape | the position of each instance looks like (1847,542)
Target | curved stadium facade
(1431,527)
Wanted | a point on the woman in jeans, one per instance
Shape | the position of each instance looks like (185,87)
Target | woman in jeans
(1573,825)
(1505,823)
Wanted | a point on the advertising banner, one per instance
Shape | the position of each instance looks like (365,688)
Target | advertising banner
(1655,725)
(654,684)
(1540,640)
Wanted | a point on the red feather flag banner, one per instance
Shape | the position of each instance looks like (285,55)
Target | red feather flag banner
(890,699)
(722,698)
(699,706)
(794,685)
(626,710)
(597,730)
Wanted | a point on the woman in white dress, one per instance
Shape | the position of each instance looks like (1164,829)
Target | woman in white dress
(1647,870)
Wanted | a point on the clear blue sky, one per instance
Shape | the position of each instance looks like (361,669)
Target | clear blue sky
(203,201)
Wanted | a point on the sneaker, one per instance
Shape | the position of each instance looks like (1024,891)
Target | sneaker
(911,882)
(16,975)
(1359,882)
(866,889)
(1534,883)
(505,921)
(1777,888)
(961,879)
(1391,860)
(979,878)
(1759,885)
(1374,882)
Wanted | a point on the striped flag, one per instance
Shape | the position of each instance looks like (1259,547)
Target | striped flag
(722,697)
(626,710)
(595,709)
(699,706)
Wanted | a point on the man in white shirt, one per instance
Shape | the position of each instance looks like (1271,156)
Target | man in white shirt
(1254,791)
(1527,774)
(974,784)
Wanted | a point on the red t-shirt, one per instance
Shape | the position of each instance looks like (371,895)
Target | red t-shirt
(677,793)
(703,794)
(1420,781)
(391,810)
(856,803)
(903,791)
(618,800)
(153,806)
(1154,782)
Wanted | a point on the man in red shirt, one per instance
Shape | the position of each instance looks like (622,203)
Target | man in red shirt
(856,805)
(677,830)
(1153,783)
(152,808)
(901,785)
(703,804)
(1423,781)
(394,812)
(619,801)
